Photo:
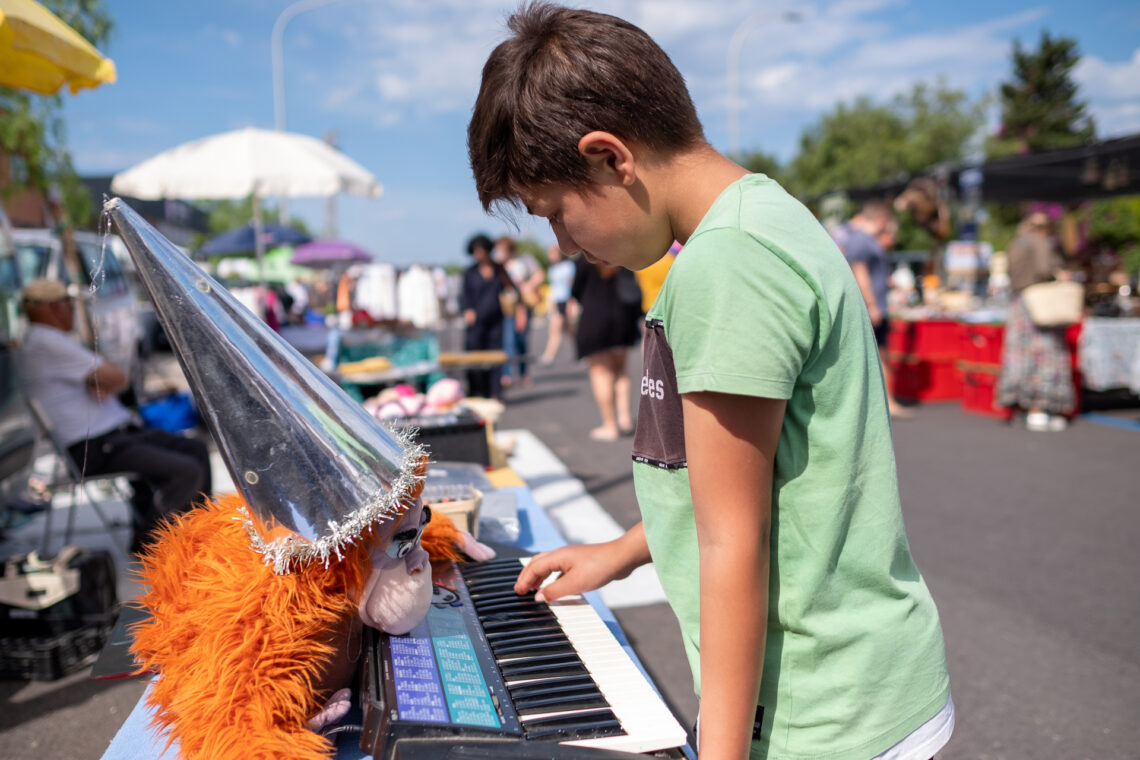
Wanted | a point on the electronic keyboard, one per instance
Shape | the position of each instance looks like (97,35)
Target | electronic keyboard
(489,664)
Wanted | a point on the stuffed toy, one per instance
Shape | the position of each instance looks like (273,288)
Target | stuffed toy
(252,664)
(254,602)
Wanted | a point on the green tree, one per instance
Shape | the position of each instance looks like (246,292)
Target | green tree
(865,143)
(32,131)
(1040,109)
(1114,225)
(763,163)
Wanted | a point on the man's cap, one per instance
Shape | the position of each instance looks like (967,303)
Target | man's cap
(317,471)
(44,291)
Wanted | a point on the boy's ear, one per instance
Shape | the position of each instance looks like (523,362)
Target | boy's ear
(605,152)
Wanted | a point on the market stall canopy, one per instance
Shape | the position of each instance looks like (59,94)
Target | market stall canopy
(242,241)
(1099,169)
(330,253)
(39,52)
(244,162)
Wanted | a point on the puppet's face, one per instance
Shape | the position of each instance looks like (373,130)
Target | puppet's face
(397,594)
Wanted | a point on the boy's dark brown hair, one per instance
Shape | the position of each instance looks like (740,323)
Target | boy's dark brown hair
(562,74)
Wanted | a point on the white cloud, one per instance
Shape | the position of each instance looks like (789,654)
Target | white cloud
(1112,82)
(394,87)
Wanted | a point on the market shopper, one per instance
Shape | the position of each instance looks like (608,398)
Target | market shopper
(527,277)
(1036,373)
(479,300)
(763,459)
(78,392)
(609,311)
(560,276)
(865,240)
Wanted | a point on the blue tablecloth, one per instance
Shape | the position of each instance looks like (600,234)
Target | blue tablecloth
(136,741)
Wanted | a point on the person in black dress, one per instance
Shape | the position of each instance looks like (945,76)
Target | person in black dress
(483,282)
(610,309)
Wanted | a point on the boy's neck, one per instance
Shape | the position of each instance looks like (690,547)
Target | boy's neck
(691,182)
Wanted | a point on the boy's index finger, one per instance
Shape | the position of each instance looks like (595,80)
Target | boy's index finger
(535,571)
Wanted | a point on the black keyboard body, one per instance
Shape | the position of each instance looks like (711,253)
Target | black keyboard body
(486,665)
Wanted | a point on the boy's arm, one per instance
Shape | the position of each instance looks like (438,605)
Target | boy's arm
(585,567)
(730,443)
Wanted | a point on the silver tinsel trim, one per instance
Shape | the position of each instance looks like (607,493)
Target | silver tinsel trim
(285,554)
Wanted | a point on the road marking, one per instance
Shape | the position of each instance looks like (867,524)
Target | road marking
(578,515)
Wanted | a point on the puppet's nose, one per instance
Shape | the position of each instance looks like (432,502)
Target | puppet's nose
(417,560)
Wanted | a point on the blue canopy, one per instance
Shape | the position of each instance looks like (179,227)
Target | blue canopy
(241,240)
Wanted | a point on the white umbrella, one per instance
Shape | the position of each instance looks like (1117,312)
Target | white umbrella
(250,161)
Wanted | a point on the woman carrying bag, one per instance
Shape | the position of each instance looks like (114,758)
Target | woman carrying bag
(1036,373)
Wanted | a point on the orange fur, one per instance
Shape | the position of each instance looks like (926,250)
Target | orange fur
(242,651)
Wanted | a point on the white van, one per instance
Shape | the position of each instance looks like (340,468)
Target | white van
(107,314)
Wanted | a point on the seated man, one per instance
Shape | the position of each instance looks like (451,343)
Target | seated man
(77,389)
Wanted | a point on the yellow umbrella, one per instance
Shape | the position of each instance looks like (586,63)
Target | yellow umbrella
(39,52)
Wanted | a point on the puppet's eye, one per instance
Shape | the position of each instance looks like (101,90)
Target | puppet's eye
(404,549)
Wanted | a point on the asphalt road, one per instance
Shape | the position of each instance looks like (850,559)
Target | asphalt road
(1027,540)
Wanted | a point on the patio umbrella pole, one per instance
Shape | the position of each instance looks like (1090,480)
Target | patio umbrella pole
(259,249)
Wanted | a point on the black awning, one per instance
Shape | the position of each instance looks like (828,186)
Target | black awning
(1095,170)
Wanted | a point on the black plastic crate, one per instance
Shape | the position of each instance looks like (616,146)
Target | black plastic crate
(46,658)
(452,437)
(92,606)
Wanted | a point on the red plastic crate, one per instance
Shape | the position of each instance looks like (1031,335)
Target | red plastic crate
(982,343)
(936,340)
(978,389)
(915,379)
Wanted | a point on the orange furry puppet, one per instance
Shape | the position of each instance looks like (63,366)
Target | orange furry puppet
(246,656)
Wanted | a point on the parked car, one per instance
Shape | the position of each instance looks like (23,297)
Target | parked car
(17,439)
(107,316)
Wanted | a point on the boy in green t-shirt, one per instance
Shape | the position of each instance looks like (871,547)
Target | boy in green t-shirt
(763,459)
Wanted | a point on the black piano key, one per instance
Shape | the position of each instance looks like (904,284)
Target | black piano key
(514,622)
(515,671)
(543,686)
(540,644)
(509,634)
(487,596)
(509,605)
(496,575)
(560,703)
(475,568)
(583,691)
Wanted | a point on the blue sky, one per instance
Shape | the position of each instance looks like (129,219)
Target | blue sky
(395,81)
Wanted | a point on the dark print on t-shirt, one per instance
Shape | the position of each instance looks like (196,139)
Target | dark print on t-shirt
(660,438)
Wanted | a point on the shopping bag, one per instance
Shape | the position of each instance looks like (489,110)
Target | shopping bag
(1054,304)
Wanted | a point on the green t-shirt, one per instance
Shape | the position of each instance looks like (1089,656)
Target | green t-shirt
(761,303)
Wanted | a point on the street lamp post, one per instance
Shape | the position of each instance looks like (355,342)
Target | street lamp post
(733,69)
(278,64)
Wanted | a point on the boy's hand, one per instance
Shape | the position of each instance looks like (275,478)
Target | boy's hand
(584,567)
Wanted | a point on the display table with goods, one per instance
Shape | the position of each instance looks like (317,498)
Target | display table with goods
(1110,353)
(956,356)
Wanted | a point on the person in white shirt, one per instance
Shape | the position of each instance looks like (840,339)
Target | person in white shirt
(78,391)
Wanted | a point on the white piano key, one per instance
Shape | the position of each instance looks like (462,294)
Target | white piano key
(647,721)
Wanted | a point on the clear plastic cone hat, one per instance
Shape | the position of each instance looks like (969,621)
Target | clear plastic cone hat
(315,469)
